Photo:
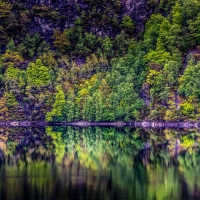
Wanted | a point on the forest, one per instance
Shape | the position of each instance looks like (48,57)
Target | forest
(132,72)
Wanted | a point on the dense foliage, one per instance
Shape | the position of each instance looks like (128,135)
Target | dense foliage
(79,74)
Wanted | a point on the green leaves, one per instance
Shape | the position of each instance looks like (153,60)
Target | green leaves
(187,109)
(127,24)
(11,46)
(94,69)
(10,100)
(28,47)
(152,29)
(108,47)
(58,107)
(37,74)
(190,82)
(194,27)
(159,57)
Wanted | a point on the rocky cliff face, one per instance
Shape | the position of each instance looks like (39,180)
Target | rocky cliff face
(138,10)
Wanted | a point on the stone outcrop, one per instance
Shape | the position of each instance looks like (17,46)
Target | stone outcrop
(138,10)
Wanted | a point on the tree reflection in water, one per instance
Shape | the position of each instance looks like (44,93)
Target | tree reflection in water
(99,163)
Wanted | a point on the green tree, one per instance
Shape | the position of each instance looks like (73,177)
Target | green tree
(43,48)
(12,58)
(38,74)
(10,100)
(70,107)
(11,46)
(190,82)
(89,109)
(127,24)
(15,79)
(152,29)
(107,47)
(177,14)
(187,109)
(121,43)
(29,46)
(163,36)
(98,104)
(56,114)
(194,29)
(159,57)
(61,42)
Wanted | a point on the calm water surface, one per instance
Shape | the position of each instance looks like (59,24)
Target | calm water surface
(99,163)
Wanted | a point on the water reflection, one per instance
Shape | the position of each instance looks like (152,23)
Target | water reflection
(99,163)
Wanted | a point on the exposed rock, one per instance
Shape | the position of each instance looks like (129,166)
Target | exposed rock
(176,100)
(44,24)
(138,10)
(145,93)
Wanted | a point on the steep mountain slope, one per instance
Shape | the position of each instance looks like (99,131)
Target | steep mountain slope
(99,60)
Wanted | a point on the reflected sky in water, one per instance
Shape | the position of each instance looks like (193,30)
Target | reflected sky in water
(99,163)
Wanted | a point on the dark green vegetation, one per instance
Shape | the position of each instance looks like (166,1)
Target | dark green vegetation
(98,163)
(79,73)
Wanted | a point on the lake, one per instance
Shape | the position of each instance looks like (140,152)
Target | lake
(95,163)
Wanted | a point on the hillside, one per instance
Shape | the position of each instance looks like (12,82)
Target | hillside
(99,60)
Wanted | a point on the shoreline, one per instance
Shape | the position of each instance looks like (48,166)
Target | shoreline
(136,124)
